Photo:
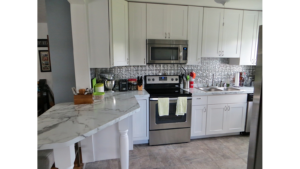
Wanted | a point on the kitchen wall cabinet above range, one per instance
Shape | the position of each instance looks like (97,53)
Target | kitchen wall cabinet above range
(108,33)
(195,18)
(251,22)
(222,30)
(166,21)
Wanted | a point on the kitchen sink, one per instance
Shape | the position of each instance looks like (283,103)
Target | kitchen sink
(220,89)
(210,89)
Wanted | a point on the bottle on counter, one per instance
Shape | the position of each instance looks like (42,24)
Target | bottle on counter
(241,84)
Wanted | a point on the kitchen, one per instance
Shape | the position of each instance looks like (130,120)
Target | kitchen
(204,68)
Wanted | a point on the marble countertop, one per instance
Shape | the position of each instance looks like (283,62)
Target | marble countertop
(65,123)
(197,92)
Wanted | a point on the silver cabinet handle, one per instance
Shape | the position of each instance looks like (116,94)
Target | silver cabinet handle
(199,98)
(165,35)
(144,60)
(169,35)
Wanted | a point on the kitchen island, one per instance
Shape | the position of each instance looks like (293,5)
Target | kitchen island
(65,124)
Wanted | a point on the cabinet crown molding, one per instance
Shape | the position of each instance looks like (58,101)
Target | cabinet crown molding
(233,4)
(78,1)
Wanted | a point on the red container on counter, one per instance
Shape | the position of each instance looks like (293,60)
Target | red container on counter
(132,84)
(191,83)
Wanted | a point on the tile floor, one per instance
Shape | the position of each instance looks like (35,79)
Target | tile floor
(210,153)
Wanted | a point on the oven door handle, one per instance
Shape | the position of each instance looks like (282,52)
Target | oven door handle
(151,99)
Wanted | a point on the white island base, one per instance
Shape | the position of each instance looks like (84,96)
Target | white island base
(110,143)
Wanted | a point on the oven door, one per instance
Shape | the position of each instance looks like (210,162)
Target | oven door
(157,53)
(172,121)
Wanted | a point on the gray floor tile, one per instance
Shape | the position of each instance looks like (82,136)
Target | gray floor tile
(134,164)
(211,153)
(221,154)
(203,165)
(231,164)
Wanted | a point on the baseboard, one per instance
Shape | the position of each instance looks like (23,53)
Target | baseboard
(215,135)
(141,142)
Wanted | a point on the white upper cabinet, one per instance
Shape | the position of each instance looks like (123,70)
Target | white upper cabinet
(119,32)
(249,39)
(222,33)
(177,19)
(166,22)
(232,33)
(137,33)
(195,18)
(212,32)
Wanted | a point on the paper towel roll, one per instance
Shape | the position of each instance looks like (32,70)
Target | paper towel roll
(237,79)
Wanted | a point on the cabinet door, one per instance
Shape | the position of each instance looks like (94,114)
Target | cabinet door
(235,117)
(215,119)
(119,32)
(198,120)
(232,33)
(257,32)
(195,17)
(98,19)
(249,38)
(140,122)
(156,21)
(177,22)
(137,33)
(212,32)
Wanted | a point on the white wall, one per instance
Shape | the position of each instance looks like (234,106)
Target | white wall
(42,34)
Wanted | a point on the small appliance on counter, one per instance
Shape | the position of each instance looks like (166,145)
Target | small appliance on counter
(132,84)
(123,85)
(109,84)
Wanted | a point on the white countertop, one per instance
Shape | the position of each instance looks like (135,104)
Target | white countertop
(65,123)
(197,92)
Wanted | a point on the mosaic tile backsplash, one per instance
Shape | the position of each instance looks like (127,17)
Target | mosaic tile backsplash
(218,66)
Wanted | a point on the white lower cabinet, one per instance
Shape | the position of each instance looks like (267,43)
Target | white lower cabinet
(226,118)
(198,120)
(215,119)
(140,123)
(218,114)
(236,117)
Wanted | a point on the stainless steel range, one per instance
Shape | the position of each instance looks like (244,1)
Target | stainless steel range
(172,128)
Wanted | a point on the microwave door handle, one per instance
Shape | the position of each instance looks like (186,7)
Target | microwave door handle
(180,53)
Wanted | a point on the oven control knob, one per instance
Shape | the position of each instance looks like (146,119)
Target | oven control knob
(172,79)
(149,79)
(176,79)
(153,79)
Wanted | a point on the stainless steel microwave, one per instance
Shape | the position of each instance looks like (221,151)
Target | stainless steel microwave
(167,51)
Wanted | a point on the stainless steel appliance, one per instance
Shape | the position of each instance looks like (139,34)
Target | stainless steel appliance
(167,51)
(167,129)
(255,143)
(123,84)
(249,112)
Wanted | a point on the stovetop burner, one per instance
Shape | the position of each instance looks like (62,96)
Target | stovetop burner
(155,93)
(164,86)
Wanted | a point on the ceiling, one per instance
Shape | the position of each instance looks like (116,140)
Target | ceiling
(42,11)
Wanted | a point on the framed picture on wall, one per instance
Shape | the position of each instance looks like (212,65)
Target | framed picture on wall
(45,62)
(42,42)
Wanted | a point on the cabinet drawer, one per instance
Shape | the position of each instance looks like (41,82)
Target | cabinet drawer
(221,99)
(198,100)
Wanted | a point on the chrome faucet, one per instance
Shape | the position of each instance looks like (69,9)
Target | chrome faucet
(212,84)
